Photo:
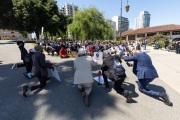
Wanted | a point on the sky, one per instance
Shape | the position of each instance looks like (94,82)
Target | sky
(162,11)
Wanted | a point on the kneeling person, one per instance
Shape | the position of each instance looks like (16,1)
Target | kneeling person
(118,76)
(83,75)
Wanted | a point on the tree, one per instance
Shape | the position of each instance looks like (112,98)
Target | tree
(7,18)
(32,15)
(89,24)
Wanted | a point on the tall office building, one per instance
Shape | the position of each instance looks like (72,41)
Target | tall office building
(68,9)
(143,20)
(124,24)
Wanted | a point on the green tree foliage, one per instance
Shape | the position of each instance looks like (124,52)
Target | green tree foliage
(159,38)
(32,15)
(89,24)
(7,18)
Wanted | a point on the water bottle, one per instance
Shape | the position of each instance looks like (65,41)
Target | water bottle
(99,77)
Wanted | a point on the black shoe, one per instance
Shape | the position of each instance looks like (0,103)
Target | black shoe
(106,85)
(48,78)
(81,90)
(24,90)
(86,100)
(128,96)
(128,64)
(166,99)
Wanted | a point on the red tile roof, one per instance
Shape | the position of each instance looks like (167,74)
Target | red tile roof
(162,28)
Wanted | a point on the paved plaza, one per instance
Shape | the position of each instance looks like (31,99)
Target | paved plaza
(62,101)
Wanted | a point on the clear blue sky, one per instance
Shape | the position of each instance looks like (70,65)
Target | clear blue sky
(162,11)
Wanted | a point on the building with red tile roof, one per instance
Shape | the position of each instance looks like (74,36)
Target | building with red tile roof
(171,30)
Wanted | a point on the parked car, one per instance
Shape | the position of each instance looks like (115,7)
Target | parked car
(175,39)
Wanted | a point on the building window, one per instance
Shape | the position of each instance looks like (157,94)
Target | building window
(176,33)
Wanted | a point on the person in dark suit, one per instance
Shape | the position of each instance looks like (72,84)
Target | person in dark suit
(146,73)
(108,71)
(39,69)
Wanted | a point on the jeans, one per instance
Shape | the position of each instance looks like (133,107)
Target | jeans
(143,83)
(117,84)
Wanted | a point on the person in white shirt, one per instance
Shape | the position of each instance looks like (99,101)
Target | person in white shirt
(83,74)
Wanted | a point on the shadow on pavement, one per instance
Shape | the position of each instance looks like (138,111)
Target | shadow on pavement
(155,88)
(56,100)
(131,88)
(6,43)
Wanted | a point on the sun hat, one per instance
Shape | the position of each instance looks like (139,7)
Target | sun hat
(81,51)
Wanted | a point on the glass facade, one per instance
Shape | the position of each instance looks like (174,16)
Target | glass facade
(143,20)
(123,24)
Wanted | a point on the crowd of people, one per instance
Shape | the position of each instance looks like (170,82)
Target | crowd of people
(111,68)
(175,46)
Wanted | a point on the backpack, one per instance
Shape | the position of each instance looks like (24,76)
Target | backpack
(119,69)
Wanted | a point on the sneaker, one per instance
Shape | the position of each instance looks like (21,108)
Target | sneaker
(166,99)
(48,78)
(29,75)
(128,96)
(14,66)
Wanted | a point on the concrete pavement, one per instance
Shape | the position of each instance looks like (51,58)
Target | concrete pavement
(168,66)
(61,101)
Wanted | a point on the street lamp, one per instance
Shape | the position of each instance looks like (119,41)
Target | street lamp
(127,9)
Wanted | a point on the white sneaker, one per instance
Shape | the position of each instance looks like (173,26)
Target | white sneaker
(29,75)
(14,66)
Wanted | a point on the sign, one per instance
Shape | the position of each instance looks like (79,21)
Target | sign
(98,56)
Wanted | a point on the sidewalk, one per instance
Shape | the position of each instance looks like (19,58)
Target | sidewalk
(167,65)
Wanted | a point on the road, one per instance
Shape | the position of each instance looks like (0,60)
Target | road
(61,101)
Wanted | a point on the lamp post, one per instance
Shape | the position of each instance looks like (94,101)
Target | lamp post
(127,9)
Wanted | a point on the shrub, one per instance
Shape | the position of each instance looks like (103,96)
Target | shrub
(158,38)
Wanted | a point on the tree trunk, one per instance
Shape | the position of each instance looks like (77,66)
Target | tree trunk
(37,34)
